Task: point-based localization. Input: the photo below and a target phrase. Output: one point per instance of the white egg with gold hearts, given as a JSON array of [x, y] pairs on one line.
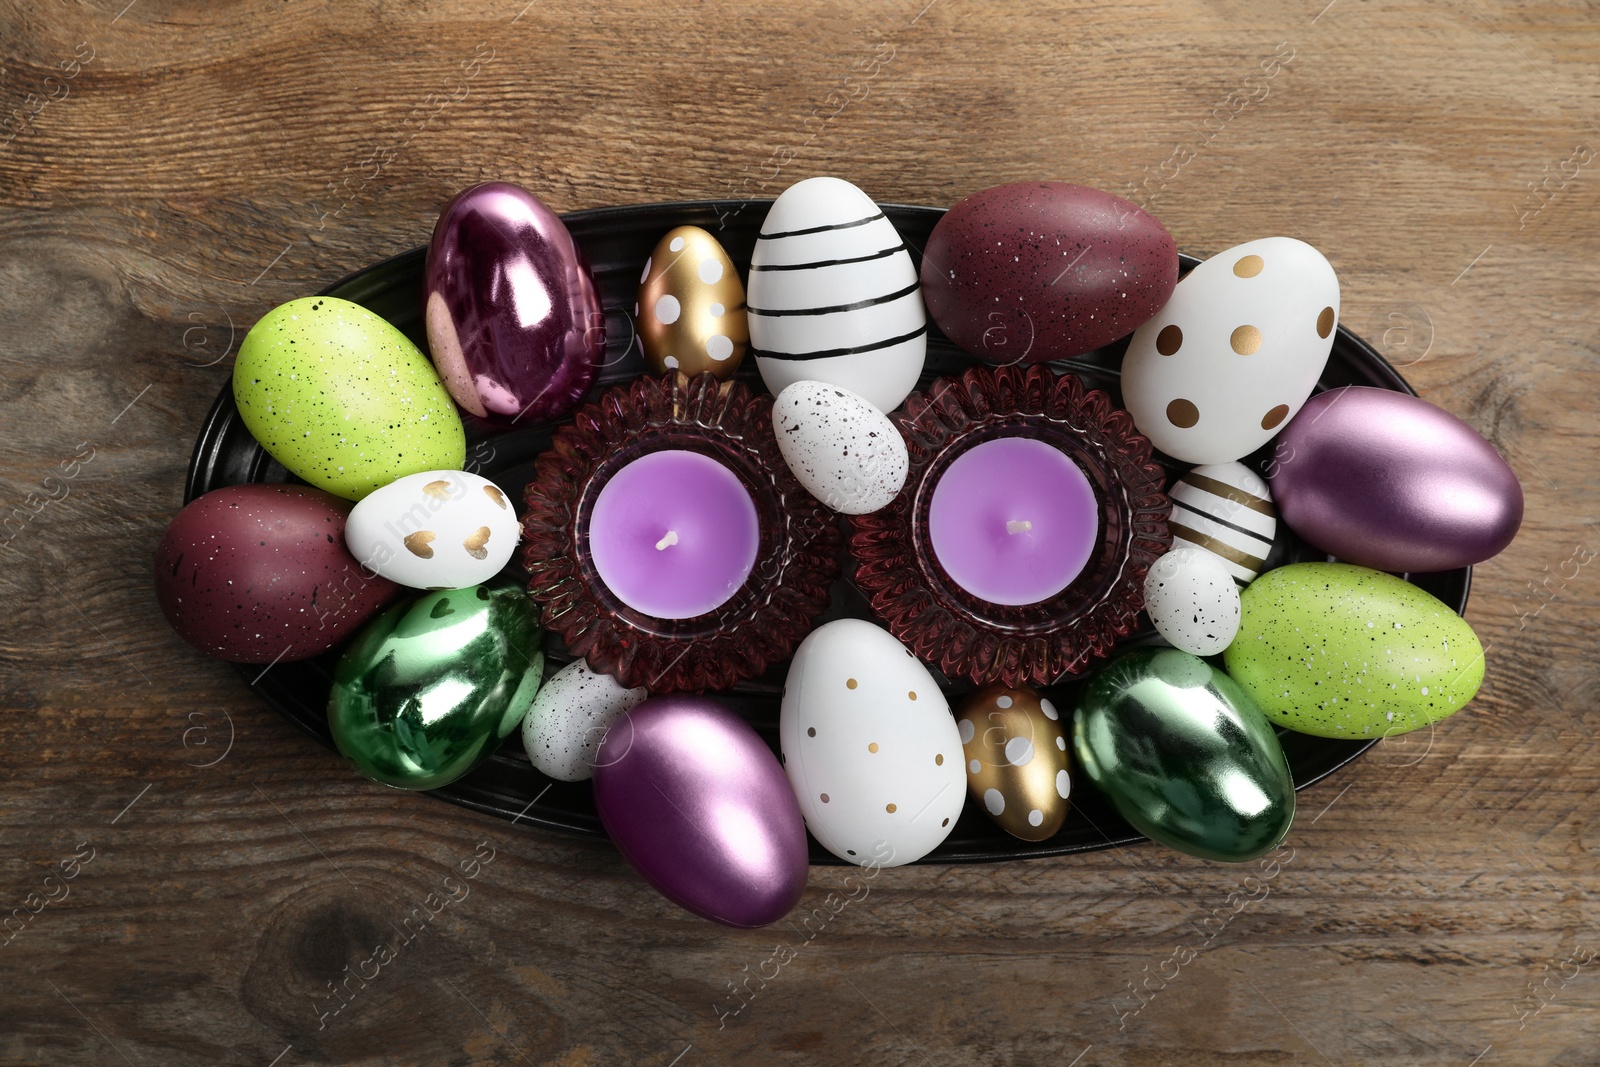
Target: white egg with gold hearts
[[434, 530]]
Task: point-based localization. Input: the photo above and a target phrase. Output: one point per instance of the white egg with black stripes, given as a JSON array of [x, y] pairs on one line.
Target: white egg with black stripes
[[834, 297]]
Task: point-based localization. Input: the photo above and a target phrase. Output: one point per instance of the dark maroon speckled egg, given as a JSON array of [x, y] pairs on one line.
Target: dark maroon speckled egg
[[1035, 271], [259, 573]]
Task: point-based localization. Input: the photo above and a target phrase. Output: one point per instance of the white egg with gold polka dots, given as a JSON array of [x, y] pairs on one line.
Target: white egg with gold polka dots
[[1235, 352], [691, 311], [869, 745], [433, 530]]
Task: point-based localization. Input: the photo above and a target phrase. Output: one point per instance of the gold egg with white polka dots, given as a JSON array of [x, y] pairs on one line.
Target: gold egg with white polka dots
[[1018, 768], [691, 310]]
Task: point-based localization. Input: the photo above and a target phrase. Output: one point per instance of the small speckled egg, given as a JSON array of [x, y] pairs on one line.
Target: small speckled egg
[[1229, 359], [844, 451], [343, 399], [1336, 650], [1226, 509], [259, 573], [435, 530], [1015, 752], [691, 312], [1193, 601], [869, 745], [570, 715]]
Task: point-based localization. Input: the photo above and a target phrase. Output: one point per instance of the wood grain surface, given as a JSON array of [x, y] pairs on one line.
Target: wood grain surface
[[198, 876]]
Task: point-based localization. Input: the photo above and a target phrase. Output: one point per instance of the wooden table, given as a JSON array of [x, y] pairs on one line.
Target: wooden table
[[172, 169]]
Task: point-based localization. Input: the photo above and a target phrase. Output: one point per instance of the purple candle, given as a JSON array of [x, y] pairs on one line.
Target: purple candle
[[1013, 521], [674, 534]]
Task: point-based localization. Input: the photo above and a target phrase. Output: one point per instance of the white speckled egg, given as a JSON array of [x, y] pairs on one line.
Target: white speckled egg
[[834, 296], [1193, 601], [570, 715], [1226, 509], [870, 747], [842, 449], [1235, 352], [434, 530]]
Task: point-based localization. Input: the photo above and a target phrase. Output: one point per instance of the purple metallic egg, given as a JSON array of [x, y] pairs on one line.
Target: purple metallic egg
[[697, 802], [1388, 481], [514, 321]]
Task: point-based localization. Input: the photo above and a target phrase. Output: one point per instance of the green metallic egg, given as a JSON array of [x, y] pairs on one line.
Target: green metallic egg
[[1185, 755], [428, 690]]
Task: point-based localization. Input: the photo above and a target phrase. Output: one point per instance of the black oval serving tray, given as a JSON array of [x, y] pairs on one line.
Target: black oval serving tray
[[616, 241]]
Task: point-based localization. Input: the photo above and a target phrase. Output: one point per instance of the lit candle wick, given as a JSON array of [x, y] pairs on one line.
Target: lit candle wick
[[670, 539], [1018, 527]]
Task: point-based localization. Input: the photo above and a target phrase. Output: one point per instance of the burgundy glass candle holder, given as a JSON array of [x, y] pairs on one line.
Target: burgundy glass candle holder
[[1035, 644], [796, 561]]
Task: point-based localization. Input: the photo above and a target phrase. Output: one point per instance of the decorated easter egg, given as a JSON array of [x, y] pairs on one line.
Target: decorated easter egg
[[258, 573], [1038, 271], [698, 804], [343, 399], [844, 451], [1390, 481], [434, 530], [1337, 650], [1184, 755], [1231, 357], [513, 317], [1015, 752], [569, 716], [690, 314], [1193, 601], [1226, 509], [870, 747], [834, 297], [428, 690]]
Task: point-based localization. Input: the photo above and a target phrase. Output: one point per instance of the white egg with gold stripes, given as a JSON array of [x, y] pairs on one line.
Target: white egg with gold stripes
[[1226, 509], [834, 297]]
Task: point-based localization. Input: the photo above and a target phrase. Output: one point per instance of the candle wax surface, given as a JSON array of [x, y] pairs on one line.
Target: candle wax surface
[[1013, 521], [674, 534]]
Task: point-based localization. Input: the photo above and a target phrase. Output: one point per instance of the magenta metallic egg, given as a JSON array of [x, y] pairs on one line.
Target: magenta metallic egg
[[700, 807], [1389, 481], [514, 322]]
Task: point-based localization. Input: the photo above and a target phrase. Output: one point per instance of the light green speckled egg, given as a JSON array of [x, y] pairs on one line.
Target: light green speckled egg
[[344, 399], [1337, 650]]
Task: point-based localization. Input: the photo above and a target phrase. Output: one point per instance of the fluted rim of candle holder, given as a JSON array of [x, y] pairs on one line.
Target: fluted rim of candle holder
[[796, 564], [1036, 644]]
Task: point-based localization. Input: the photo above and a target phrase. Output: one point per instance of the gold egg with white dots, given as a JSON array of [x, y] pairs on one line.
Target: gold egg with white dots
[[691, 310], [1018, 768]]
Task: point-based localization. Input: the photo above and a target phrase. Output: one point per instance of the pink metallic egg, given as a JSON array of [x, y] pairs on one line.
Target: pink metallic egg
[[514, 321], [1389, 481], [698, 803]]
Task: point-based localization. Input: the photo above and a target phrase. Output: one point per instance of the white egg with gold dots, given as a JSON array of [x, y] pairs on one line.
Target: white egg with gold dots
[[870, 747]]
